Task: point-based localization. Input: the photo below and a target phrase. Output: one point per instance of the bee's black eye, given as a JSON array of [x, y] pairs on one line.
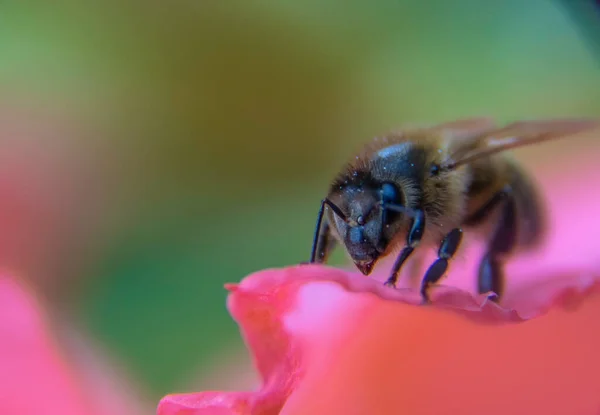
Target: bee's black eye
[[434, 170], [389, 193]]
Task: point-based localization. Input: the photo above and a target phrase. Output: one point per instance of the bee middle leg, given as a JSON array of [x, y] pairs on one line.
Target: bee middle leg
[[412, 241], [436, 271]]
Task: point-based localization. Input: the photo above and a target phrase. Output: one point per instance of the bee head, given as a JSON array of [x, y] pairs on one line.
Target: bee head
[[368, 227]]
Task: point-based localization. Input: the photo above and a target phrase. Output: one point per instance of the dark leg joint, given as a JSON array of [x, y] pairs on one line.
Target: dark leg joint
[[491, 268], [450, 244], [412, 240], [436, 271], [433, 275], [391, 281], [417, 229], [505, 236], [491, 277]]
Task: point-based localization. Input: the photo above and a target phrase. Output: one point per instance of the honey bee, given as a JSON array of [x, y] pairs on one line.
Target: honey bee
[[421, 186]]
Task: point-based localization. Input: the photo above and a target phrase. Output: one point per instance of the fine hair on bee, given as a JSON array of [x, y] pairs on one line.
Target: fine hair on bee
[[425, 185]]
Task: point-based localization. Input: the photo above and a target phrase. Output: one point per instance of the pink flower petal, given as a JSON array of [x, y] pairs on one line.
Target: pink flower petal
[[291, 319], [35, 376]]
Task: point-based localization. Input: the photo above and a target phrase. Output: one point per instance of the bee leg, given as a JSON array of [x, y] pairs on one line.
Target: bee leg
[[404, 254], [491, 275], [448, 248], [323, 242], [412, 241]]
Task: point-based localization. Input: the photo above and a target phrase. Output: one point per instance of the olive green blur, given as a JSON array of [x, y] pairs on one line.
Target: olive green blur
[[218, 124]]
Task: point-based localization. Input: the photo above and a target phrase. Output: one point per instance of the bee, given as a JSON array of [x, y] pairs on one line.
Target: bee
[[423, 185]]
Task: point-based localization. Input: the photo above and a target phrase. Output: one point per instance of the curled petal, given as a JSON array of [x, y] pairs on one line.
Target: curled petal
[[326, 341]]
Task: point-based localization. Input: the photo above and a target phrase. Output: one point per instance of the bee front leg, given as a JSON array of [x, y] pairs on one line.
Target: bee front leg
[[436, 271], [491, 275], [325, 244], [323, 241], [412, 241]]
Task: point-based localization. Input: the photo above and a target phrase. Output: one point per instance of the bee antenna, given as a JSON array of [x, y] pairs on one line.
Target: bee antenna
[[335, 209]]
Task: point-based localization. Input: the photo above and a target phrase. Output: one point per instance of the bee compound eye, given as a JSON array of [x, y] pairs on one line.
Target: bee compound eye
[[389, 193]]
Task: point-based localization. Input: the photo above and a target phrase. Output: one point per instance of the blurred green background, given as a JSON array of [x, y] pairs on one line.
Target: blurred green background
[[156, 150]]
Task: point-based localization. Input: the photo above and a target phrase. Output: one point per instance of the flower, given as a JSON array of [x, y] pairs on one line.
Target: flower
[[35, 375], [329, 341]]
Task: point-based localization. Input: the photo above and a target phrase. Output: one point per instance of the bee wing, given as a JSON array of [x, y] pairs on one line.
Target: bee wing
[[463, 129], [517, 134]]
